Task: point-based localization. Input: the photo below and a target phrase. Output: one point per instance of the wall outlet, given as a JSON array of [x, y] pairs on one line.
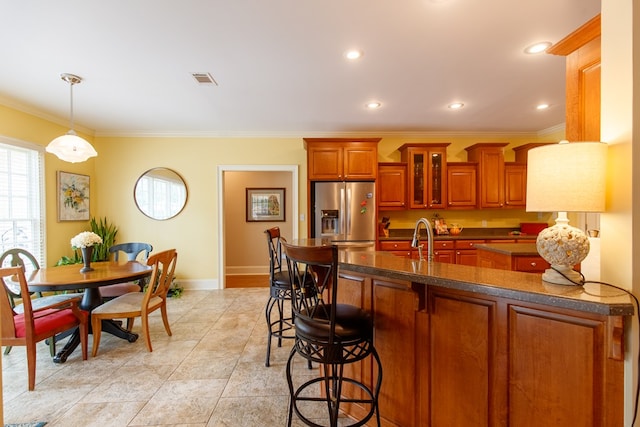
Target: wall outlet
[[484, 223]]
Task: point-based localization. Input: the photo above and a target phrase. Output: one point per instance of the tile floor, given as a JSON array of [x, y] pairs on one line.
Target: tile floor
[[209, 373]]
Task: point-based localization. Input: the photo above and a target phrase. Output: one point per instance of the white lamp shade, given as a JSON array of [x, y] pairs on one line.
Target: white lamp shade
[[567, 177], [71, 148]]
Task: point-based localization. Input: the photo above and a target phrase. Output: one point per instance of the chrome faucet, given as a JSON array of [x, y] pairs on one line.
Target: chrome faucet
[[415, 243]]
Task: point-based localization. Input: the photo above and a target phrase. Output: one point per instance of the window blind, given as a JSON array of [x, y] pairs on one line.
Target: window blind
[[22, 213]]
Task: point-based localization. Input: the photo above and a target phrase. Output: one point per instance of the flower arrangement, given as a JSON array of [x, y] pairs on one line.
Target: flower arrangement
[[85, 239]]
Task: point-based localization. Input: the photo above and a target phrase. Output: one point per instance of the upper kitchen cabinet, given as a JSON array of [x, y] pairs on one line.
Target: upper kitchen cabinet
[[515, 185], [427, 172], [489, 157], [582, 49], [392, 186], [462, 185], [342, 159]]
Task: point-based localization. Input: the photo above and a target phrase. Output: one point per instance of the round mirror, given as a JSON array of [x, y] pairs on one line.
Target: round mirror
[[160, 193]]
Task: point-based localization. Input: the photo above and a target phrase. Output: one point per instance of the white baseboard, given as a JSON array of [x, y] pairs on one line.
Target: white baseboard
[[199, 284]]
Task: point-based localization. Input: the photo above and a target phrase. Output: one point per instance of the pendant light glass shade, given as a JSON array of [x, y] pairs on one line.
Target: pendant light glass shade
[[70, 147]]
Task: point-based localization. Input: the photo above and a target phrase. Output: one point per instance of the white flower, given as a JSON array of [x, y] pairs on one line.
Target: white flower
[[85, 239]]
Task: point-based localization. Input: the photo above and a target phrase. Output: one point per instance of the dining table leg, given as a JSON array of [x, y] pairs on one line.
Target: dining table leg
[[91, 299]]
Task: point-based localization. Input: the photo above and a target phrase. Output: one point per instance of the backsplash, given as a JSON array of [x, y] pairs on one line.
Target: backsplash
[[473, 218]]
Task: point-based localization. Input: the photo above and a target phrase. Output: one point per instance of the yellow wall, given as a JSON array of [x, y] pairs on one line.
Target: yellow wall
[[28, 128], [194, 232], [620, 128]]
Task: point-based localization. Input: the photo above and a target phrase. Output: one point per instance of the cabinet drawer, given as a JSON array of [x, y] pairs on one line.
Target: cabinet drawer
[[467, 244], [398, 245], [530, 264], [443, 244]]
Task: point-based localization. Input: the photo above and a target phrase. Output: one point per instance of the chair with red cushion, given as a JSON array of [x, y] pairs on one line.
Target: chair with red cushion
[[34, 325], [18, 256]]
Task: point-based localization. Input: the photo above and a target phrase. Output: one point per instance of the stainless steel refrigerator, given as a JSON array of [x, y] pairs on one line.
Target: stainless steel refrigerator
[[345, 213]]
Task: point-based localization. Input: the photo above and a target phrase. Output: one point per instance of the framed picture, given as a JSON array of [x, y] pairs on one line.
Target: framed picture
[[73, 197], [265, 204]]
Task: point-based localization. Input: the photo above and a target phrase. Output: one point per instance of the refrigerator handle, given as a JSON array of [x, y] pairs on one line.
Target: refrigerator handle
[[348, 209], [342, 212]]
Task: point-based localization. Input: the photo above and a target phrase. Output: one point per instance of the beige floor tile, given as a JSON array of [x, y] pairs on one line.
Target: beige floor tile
[[210, 372], [191, 401], [250, 411]]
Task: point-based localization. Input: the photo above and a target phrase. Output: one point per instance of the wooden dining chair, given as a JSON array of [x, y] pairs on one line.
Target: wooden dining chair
[[15, 257], [132, 251], [34, 325], [140, 304]]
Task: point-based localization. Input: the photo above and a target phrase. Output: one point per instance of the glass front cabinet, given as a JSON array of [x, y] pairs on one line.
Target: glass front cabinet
[[427, 171]]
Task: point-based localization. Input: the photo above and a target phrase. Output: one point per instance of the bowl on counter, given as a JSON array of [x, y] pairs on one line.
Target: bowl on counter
[[455, 229]]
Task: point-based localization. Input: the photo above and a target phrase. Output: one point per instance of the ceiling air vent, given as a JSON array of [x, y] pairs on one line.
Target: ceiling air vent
[[204, 78]]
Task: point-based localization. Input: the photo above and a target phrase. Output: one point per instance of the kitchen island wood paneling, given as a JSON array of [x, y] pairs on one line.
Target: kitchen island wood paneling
[[463, 345]]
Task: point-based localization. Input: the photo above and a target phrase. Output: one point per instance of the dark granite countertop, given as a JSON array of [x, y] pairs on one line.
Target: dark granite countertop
[[466, 234], [529, 287], [513, 249]]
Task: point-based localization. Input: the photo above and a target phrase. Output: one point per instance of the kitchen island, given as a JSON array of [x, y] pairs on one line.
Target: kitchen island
[[464, 345]]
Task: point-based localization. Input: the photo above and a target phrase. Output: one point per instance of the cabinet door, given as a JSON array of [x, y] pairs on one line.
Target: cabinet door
[[491, 178], [325, 162], [436, 178], [582, 49], [443, 251], [392, 181], [466, 257], [559, 369], [355, 290], [515, 185], [463, 362], [427, 170], [461, 186], [360, 162], [395, 306]]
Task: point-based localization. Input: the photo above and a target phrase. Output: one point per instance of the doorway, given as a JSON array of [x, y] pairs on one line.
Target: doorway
[[232, 183]]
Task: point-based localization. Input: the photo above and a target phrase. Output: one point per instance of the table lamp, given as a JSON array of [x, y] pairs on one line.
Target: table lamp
[[565, 177]]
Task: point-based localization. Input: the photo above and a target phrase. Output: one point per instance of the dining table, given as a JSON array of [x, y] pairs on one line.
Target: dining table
[[67, 278]]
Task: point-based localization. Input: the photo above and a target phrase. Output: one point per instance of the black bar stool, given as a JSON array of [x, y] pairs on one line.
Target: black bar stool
[[330, 334], [279, 292]]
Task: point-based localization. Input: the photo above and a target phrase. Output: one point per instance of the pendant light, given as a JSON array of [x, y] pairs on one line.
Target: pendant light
[[70, 147]]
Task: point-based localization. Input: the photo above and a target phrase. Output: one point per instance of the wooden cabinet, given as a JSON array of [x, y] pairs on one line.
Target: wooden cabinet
[[443, 251], [427, 174], [465, 363], [392, 186], [466, 251], [461, 186], [458, 358], [515, 185], [490, 159], [399, 247], [394, 307], [501, 362], [582, 49], [518, 260], [342, 159]]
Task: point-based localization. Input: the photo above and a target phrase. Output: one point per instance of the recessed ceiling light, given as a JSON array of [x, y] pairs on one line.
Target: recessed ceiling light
[[455, 105], [373, 105], [353, 54], [538, 47], [542, 106]]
